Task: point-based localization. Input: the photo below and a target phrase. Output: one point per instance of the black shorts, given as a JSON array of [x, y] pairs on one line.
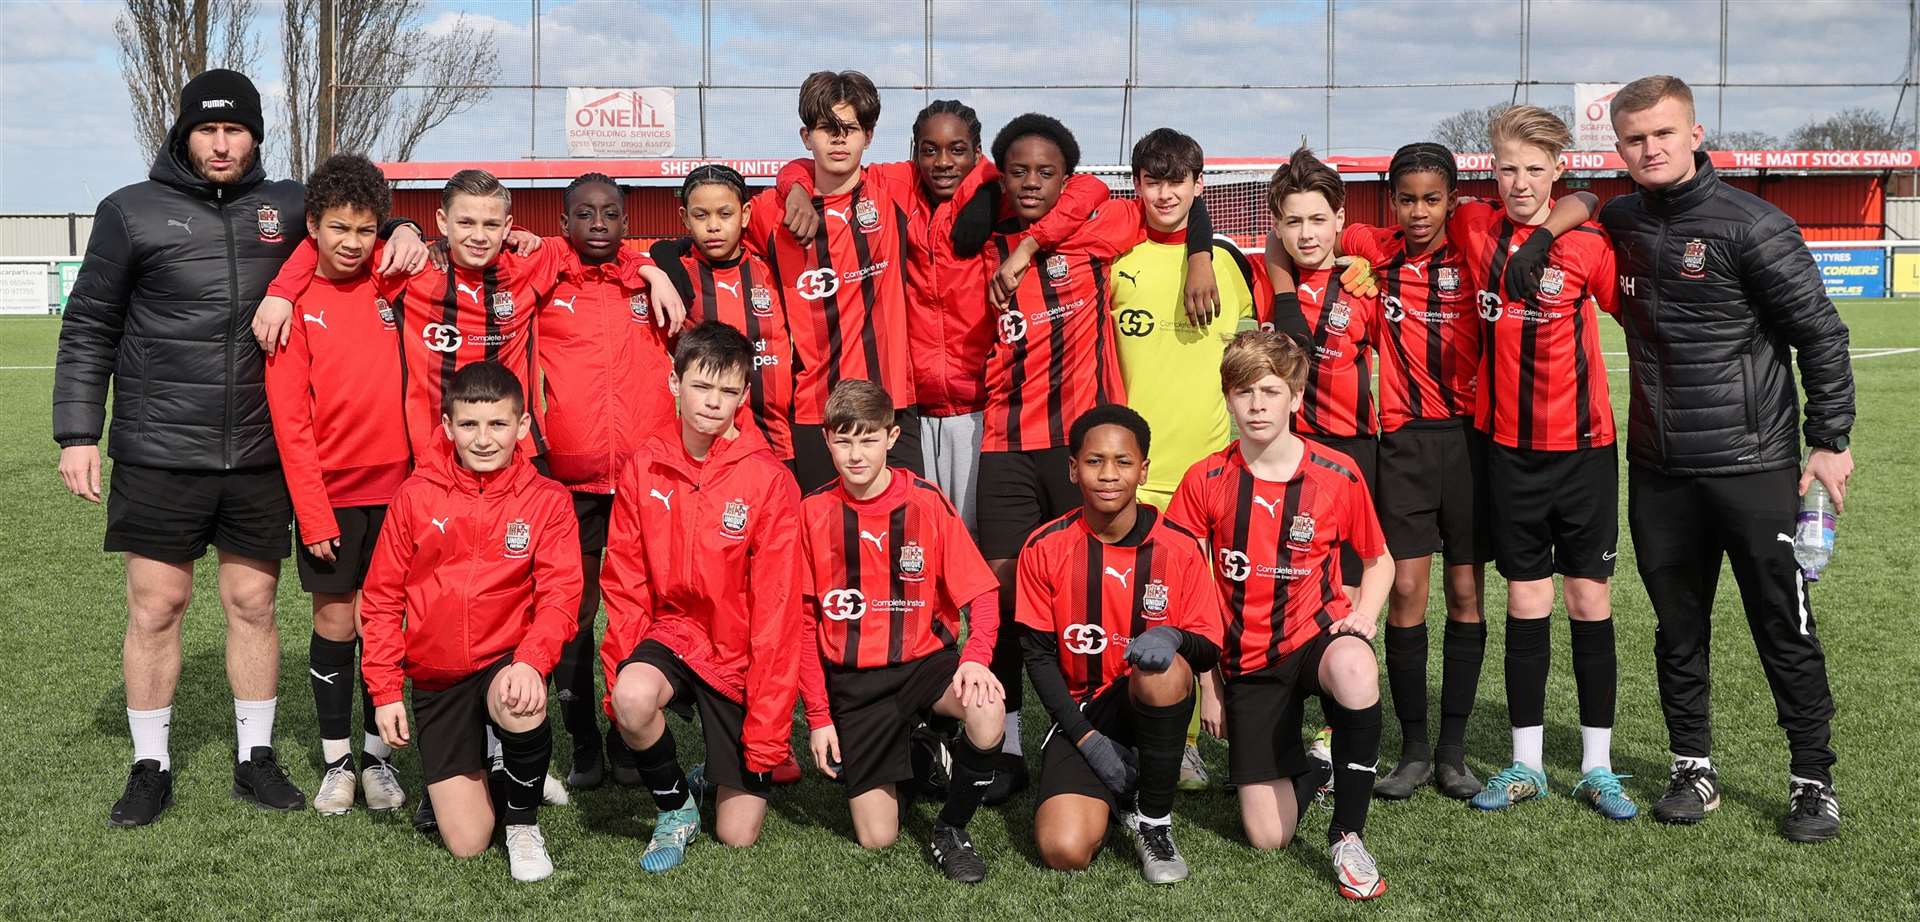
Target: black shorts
[[172, 516], [722, 721], [450, 725], [1553, 511], [1365, 452], [875, 712], [1017, 492], [359, 532], [1063, 770], [813, 465], [593, 510], [1432, 495], [1264, 710]]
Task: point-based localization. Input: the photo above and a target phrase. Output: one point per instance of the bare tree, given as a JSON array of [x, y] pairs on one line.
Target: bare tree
[[1742, 140], [376, 45], [1466, 131], [1852, 129], [165, 43]]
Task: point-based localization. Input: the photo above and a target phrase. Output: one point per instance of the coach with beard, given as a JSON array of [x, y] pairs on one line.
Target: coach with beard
[[1718, 293], [161, 309]]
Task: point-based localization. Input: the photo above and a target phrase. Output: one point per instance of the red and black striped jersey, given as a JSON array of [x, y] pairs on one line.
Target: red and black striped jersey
[[743, 294], [1543, 383], [845, 292], [1276, 546], [888, 576], [1095, 598], [1054, 355], [452, 318], [1337, 401], [1428, 336]]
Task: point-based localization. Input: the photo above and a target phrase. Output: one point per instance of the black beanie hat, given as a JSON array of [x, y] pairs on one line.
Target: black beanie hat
[[221, 96]]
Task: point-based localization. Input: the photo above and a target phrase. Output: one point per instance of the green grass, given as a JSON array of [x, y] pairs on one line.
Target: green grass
[[66, 752]]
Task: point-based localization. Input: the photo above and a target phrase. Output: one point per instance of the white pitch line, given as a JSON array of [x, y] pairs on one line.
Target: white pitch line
[[26, 367]]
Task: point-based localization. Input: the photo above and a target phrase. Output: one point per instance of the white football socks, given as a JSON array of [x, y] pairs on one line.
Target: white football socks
[[1596, 748], [374, 746], [1527, 747], [332, 751], [150, 730], [253, 725]]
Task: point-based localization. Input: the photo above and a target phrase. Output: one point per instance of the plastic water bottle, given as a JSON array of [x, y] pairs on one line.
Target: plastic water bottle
[[1813, 531]]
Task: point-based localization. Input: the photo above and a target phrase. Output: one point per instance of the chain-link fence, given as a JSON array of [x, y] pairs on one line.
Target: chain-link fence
[[1247, 79]]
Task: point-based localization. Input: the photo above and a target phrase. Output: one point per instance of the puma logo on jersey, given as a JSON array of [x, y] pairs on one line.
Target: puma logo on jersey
[[1133, 277], [473, 293], [320, 318], [328, 678], [441, 523], [1309, 291], [1121, 576], [1419, 269], [1782, 536], [731, 288], [837, 214], [1272, 506], [186, 225], [568, 303], [879, 540], [665, 499]]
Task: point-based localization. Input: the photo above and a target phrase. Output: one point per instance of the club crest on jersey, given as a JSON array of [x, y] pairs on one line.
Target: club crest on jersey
[[865, 212], [637, 305], [1490, 307], [1153, 600], [503, 305], [386, 312], [1392, 309], [1448, 279], [519, 537], [1057, 267], [269, 224], [1300, 533], [1338, 318], [1693, 262], [913, 562], [1552, 282], [761, 301], [733, 520]]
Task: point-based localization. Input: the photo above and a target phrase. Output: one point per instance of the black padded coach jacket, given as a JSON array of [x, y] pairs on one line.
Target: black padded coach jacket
[[162, 306], [1717, 293]]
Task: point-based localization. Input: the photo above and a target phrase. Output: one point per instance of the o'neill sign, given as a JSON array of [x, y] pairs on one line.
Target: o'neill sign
[[619, 123]]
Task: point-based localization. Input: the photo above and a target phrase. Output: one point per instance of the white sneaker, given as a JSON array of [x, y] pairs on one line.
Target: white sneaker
[[1160, 859], [1354, 870], [382, 784], [554, 794], [1193, 770], [527, 854], [336, 788]]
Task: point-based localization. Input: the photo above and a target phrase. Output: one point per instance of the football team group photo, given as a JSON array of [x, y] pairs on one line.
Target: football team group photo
[[934, 516]]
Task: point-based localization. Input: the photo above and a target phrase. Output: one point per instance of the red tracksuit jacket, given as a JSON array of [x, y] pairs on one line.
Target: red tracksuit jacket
[[334, 393], [704, 557], [603, 366], [949, 325], [470, 567]]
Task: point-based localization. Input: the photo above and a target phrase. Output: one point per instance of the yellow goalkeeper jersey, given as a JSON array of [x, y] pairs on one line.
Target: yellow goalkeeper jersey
[[1172, 367]]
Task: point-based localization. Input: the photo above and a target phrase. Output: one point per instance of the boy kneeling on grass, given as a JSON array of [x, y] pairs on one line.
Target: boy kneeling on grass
[[471, 595]]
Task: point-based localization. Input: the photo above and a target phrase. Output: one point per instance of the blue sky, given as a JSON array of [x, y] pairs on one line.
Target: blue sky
[[68, 141]]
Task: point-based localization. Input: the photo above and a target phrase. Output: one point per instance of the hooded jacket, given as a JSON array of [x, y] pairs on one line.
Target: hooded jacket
[[1720, 297], [603, 369], [705, 558], [470, 568], [173, 271]]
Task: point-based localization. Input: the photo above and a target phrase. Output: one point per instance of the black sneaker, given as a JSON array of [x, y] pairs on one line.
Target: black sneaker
[[1009, 778], [1813, 813], [953, 854], [1452, 779], [1406, 778], [625, 768], [149, 791], [424, 821], [589, 767], [1692, 790], [262, 782]]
